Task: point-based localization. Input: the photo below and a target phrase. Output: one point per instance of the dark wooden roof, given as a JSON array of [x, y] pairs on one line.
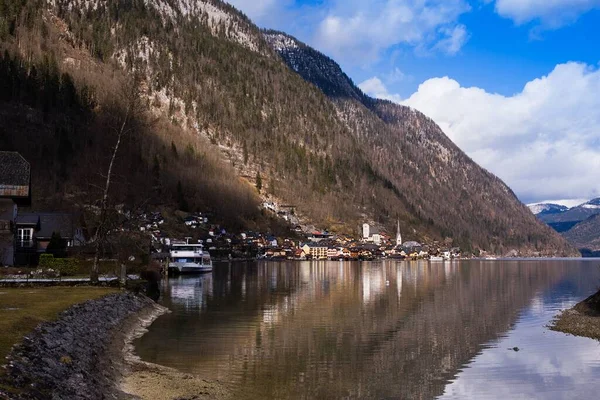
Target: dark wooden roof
[[28, 219], [15, 174], [61, 223]]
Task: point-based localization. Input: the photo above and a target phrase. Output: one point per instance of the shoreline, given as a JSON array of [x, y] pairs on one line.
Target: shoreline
[[583, 319], [72, 356], [88, 353], [143, 380]]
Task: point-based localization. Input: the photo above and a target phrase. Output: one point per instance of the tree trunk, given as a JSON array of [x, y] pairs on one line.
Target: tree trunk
[[100, 234]]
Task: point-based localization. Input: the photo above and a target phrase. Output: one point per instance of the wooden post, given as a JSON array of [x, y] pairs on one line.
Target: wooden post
[[123, 277]]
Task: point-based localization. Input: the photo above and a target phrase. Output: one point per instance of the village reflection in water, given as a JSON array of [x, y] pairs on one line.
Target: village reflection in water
[[372, 330]]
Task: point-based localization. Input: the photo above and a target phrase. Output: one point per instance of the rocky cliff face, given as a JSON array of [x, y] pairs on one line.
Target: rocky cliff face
[[266, 103]]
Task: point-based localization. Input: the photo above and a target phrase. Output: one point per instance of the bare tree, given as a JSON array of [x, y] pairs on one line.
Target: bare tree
[[128, 110]]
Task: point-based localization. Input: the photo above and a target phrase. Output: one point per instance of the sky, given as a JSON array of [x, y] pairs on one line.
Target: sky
[[514, 83]]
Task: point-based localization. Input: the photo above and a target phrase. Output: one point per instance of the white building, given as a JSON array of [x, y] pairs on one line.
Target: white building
[[366, 231], [376, 239]]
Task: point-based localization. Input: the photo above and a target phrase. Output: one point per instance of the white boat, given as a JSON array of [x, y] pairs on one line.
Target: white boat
[[436, 258], [189, 258]]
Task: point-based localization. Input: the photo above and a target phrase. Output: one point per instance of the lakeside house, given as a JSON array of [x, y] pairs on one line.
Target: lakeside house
[[315, 250], [333, 253], [34, 232], [15, 190]]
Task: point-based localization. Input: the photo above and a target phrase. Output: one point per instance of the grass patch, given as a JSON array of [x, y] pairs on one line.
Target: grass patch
[[22, 309]]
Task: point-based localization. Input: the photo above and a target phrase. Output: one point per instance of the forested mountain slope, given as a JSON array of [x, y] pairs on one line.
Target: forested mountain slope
[[218, 101], [435, 179], [586, 234]]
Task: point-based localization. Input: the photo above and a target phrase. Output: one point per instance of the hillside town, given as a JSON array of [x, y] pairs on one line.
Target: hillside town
[[312, 245], [25, 235]]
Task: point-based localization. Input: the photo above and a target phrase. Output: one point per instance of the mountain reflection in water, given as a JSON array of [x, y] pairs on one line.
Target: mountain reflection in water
[[380, 330]]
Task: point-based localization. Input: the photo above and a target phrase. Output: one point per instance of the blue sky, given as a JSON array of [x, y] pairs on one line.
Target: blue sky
[[514, 83]]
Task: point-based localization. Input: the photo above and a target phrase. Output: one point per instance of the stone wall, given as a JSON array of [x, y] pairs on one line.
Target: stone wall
[[74, 357]]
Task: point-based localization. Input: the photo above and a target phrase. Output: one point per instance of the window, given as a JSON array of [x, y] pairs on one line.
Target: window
[[25, 236]]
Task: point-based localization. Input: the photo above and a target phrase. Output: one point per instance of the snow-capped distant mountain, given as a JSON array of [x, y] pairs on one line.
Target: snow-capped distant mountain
[[592, 204], [585, 233], [574, 214], [546, 208], [578, 224]]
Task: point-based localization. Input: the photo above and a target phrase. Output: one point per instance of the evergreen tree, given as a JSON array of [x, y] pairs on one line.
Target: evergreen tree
[[272, 186], [181, 200], [57, 245], [258, 182], [156, 169]]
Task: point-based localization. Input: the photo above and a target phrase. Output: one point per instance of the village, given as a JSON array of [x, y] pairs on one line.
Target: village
[[305, 245], [25, 236]]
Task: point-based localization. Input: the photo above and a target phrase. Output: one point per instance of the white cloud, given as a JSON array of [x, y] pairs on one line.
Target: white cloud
[[550, 13], [375, 87], [544, 142], [396, 76], [454, 41], [360, 31], [353, 29]]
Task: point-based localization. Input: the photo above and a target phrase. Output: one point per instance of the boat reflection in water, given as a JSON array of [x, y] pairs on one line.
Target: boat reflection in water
[[189, 292], [380, 330]]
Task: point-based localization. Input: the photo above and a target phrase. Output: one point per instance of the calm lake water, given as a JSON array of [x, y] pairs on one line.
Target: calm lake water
[[390, 329]]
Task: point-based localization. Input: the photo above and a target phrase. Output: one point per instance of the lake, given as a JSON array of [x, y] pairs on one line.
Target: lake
[[389, 329]]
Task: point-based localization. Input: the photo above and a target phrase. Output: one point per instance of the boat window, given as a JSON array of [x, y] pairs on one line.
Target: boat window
[[187, 260], [186, 248]]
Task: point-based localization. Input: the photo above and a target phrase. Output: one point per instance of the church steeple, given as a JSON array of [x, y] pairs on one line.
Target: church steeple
[[398, 235]]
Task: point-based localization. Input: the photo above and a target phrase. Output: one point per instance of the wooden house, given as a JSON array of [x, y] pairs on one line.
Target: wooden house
[[15, 190]]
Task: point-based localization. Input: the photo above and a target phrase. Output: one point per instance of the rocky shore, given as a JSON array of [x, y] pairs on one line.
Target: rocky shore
[[88, 353], [77, 356], [581, 320]]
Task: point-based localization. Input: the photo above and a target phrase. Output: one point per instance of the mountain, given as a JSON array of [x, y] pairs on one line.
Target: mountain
[[546, 208], [564, 220], [580, 225], [220, 104], [586, 234], [593, 204], [413, 155]]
